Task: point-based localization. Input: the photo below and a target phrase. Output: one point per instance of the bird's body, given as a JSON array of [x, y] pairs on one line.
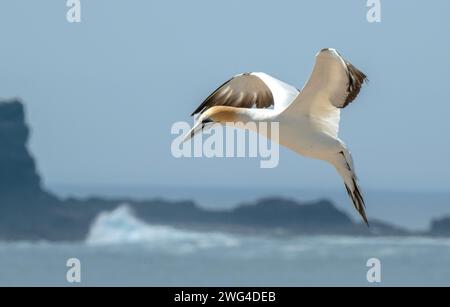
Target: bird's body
[[308, 119]]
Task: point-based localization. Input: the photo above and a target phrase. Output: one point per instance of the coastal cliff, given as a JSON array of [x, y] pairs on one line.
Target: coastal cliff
[[18, 173], [440, 227], [28, 212]]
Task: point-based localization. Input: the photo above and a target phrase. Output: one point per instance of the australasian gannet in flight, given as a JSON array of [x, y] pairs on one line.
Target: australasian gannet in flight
[[308, 119]]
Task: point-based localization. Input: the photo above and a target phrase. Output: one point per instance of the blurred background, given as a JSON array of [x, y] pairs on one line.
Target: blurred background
[[87, 171]]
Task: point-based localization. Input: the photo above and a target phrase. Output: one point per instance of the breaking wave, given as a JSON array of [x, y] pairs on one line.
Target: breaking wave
[[121, 226]]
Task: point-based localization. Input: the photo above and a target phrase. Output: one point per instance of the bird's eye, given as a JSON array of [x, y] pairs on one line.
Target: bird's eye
[[206, 121]]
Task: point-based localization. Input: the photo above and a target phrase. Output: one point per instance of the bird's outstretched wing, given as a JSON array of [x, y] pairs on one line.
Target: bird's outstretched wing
[[250, 90], [333, 85]]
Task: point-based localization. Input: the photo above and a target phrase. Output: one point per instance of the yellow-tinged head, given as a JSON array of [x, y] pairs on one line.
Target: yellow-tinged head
[[221, 114]]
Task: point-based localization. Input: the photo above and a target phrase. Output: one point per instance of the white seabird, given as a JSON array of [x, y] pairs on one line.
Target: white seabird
[[308, 119]]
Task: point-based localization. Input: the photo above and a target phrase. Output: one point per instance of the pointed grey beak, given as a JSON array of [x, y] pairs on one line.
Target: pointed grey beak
[[191, 134]]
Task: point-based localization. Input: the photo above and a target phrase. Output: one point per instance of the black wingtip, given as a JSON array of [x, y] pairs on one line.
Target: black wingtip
[[197, 111], [362, 213], [358, 202], [364, 217]]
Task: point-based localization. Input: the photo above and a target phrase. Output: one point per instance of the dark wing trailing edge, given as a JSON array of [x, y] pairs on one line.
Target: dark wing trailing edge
[[356, 79], [332, 77], [241, 91]]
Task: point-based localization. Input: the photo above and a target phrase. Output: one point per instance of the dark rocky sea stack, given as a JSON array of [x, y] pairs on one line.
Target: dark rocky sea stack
[[18, 173], [29, 212], [440, 227]]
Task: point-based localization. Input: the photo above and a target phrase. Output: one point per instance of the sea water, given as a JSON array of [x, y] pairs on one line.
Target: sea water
[[124, 251]]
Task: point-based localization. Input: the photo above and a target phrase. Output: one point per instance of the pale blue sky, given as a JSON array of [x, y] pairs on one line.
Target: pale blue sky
[[102, 95]]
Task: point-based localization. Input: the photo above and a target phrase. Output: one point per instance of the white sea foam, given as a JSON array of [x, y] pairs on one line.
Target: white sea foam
[[121, 226]]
